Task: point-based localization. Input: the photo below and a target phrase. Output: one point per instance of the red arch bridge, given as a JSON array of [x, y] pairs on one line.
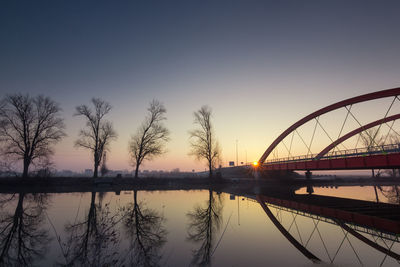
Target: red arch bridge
[[353, 134]]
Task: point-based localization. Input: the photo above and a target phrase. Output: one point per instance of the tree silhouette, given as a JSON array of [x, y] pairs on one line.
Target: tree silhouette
[[204, 145], [103, 169], [94, 240], [371, 137], [29, 126], [393, 139], [204, 223], [392, 193], [149, 140], [98, 133], [146, 232], [22, 240]]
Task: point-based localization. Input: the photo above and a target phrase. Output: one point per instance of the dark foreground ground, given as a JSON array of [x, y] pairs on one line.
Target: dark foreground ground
[[85, 184]]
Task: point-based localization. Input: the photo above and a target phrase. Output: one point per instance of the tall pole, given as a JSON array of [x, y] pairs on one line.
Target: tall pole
[[237, 153], [238, 211]]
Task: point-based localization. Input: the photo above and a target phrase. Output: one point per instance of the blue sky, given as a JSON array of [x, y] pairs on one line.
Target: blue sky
[[261, 65]]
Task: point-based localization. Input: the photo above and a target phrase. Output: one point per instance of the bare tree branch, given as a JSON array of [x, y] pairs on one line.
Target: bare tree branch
[[203, 143], [204, 223], [371, 137], [146, 233], [98, 133], [94, 241], [29, 126], [150, 139], [22, 238]]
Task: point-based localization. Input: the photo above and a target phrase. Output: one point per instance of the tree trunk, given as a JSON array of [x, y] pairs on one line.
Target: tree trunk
[[16, 225], [96, 164], [135, 197], [91, 221], [93, 200], [210, 170], [26, 168], [137, 171], [95, 171], [376, 194]]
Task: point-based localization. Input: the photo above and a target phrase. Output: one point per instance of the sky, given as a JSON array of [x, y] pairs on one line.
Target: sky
[[260, 65]]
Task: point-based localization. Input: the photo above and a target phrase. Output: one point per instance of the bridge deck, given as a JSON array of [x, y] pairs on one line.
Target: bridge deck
[[384, 161]]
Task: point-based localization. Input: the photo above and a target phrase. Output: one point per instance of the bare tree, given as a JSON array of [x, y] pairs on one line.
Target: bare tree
[[28, 128], [371, 137], [204, 145], [23, 239], [146, 233], [392, 193], [94, 239], [103, 169], [151, 137], [393, 139], [204, 224], [98, 132]]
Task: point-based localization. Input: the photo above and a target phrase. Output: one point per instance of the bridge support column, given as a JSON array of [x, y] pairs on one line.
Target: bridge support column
[[308, 174], [310, 189]]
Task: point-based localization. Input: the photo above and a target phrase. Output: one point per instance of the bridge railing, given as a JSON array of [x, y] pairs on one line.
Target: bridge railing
[[357, 152]]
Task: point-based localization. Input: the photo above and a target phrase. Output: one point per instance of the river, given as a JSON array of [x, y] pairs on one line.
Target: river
[[202, 227]]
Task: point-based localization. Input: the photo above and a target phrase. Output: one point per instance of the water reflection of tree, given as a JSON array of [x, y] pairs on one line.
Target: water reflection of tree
[[392, 193], [94, 240], [22, 239], [146, 233], [204, 223]]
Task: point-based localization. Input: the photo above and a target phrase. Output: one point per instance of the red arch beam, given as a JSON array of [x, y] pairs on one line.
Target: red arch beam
[[350, 101], [286, 234], [354, 132]]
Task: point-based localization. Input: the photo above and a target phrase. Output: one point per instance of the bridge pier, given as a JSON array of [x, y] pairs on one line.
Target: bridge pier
[[310, 189], [308, 174]]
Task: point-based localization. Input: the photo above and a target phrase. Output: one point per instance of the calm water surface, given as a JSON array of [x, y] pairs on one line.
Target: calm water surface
[[180, 228]]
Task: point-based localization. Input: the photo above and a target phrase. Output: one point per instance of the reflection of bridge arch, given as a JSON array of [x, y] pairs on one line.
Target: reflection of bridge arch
[[288, 236], [395, 92], [320, 212]]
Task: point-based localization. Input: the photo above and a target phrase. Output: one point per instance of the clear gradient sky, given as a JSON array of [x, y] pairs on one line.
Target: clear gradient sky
[[260, 65]]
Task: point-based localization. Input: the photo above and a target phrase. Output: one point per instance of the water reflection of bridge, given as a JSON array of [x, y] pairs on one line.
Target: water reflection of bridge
[[375, 224], [363, 214]]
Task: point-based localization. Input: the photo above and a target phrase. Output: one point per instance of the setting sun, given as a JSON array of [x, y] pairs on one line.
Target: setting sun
[[255, 163]]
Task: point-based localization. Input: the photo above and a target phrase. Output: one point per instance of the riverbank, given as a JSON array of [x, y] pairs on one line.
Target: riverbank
[[116, 184]]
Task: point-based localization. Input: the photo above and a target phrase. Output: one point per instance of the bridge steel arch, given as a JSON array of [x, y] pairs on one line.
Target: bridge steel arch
[[338, 216], [355, 132], [335, 106], [286, 234]]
